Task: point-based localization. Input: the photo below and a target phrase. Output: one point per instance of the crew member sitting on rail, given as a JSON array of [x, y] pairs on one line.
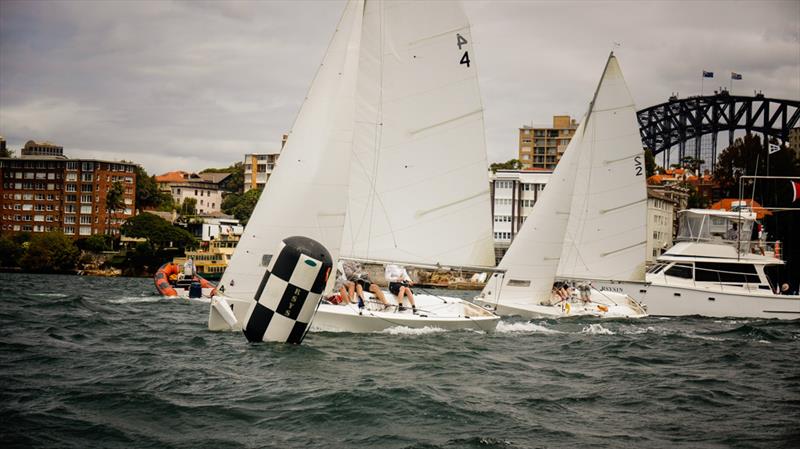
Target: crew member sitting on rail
[[359, 281], [400, 285]]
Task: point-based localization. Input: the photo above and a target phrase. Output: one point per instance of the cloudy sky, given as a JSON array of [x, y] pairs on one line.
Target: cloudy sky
[[188, 85]]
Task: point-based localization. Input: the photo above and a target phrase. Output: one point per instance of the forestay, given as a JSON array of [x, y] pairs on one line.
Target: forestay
[[418, 184], [307, 193], [606, 235]]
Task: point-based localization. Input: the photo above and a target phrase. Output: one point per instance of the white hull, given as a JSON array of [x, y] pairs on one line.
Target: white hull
[[710, 301], [602, 305], [432, 311]]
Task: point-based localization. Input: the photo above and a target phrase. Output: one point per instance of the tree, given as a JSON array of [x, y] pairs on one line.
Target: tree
[[158, 232], [241, 205], [747, 156], [10, 252], [115, 200], [650, 165], [50, 252], [189, 206], [96, 243], [511, 164], [5, 152], [148, 196]]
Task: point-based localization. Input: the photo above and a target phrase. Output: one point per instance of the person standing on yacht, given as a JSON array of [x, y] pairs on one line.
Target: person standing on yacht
[[400, 285], [732, 235]]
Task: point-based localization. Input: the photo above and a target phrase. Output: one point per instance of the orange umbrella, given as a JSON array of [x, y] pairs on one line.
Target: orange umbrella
[[727, 204]]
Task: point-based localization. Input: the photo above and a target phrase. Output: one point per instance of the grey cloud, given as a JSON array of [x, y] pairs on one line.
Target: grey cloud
[[185, 85]]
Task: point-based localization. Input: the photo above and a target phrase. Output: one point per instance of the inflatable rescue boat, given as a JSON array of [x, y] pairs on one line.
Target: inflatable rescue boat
[[172, 282]]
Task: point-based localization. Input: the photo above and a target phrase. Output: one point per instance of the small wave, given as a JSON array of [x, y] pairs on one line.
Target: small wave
[[597, 329], [529, 327], [133, 300], [403, 330], [640, 330], [49, 295]]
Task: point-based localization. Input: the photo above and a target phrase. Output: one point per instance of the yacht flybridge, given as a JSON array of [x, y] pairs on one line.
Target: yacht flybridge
[[715, 269]]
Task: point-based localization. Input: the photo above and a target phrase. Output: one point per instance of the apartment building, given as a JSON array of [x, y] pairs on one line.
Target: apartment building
[[660, 224], [258, 167], [42, 193], [514, 192], [541, 146]]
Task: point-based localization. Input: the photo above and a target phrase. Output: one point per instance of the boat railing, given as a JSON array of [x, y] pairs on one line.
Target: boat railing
[[751, 281], [762, 247]]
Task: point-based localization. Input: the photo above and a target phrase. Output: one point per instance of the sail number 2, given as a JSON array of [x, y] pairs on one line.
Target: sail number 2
[[460, 41], [637, 165]]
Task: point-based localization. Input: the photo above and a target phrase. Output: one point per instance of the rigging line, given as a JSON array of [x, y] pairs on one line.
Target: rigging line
[[585, 206], [378, 126], [431, 294]]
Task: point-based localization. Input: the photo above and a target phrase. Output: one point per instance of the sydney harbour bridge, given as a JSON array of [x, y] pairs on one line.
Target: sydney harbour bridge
[[683, 125]]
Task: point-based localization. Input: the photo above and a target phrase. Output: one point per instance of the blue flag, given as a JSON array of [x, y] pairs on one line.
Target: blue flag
[[708, 74], [736, 76]]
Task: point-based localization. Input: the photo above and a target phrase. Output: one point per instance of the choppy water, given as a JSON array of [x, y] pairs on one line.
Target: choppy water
[[94, 362]]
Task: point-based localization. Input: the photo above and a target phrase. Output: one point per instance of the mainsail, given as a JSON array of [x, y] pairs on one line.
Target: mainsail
[[607, 231], [307, 193], [418, 181], [589, 222]]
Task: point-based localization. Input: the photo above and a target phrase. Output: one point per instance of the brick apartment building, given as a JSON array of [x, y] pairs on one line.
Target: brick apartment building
[[44, 191], [542, 146]]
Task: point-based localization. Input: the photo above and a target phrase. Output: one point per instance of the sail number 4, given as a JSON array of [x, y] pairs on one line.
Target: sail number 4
[[637, 165], [460, 41]]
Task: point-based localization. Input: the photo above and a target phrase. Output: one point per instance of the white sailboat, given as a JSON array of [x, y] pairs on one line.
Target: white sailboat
[[589, 223], [418, 185], [409, 199]]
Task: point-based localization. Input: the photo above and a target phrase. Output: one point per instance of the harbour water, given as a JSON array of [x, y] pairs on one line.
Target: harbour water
[[104, 362]]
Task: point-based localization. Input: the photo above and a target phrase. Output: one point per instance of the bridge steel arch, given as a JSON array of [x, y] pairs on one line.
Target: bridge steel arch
[[677, 121]]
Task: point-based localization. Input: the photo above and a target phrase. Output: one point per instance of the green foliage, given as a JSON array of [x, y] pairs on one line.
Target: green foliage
[[115, 197], [695, 200], [158, 232], [650, 165], [10, 252], [5, 152], [511, 164], [241, 205], [50, 252], [147, 194], [748, 156], [189, 206], [96, 243], [115, 200]]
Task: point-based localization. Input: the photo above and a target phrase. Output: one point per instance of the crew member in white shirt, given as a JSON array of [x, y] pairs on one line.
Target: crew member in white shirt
[[400, 285]]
